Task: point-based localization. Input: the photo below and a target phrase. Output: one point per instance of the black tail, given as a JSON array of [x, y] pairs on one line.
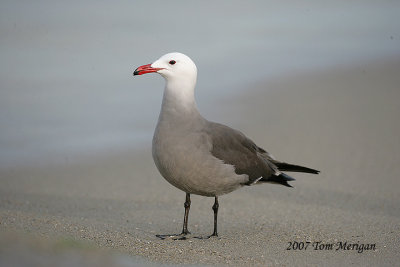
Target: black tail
[[282, 166], [279, 179], [283, 178]]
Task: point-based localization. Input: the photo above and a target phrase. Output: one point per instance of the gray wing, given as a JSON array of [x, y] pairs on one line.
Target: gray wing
[[234, 148]]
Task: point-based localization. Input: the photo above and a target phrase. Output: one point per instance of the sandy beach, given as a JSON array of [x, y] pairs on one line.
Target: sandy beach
[[343, 122]]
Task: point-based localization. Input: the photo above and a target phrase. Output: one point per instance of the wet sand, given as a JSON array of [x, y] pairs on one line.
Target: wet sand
[[343, 122]]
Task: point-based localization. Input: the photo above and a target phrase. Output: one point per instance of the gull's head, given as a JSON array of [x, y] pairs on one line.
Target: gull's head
[[172, 66]]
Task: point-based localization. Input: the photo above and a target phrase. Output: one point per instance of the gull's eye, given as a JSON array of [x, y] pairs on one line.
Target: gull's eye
[[172, 62]]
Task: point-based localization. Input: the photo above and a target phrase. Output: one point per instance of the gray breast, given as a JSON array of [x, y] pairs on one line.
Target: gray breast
[[182, 154]]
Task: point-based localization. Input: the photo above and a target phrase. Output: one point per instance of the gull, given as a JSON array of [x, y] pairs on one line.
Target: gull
[[199, 156]]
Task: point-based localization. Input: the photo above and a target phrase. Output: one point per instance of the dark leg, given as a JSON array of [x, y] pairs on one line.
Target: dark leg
[[215, 209], [185, 231], [185, 219]]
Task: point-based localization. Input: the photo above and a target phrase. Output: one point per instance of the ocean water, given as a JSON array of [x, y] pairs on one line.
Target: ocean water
[[66, 84]]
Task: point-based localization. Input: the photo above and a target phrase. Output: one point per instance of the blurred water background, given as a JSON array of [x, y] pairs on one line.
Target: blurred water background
[[66, 85]]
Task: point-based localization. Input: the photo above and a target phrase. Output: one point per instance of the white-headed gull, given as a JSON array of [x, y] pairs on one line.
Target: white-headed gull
[[199, 156]]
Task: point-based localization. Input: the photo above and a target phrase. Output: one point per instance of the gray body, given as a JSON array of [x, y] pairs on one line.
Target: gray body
[[182, 153]]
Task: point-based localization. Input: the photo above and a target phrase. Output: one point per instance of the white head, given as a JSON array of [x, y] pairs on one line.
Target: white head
[[174, 67], [180, 74]]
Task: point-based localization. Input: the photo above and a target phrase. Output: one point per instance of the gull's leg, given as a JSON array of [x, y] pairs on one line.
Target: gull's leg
[[185, 231], [186, 218], [215, 209]]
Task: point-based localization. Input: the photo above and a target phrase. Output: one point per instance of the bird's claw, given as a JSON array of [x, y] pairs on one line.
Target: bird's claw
[[182, 236], [207, 237]]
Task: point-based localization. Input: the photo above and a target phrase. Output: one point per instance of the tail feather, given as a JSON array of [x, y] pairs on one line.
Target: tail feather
[[279, 179], [283, 166]]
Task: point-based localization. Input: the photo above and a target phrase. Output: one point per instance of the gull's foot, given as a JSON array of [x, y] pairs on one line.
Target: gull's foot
[[208, 237], [182, 236]]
